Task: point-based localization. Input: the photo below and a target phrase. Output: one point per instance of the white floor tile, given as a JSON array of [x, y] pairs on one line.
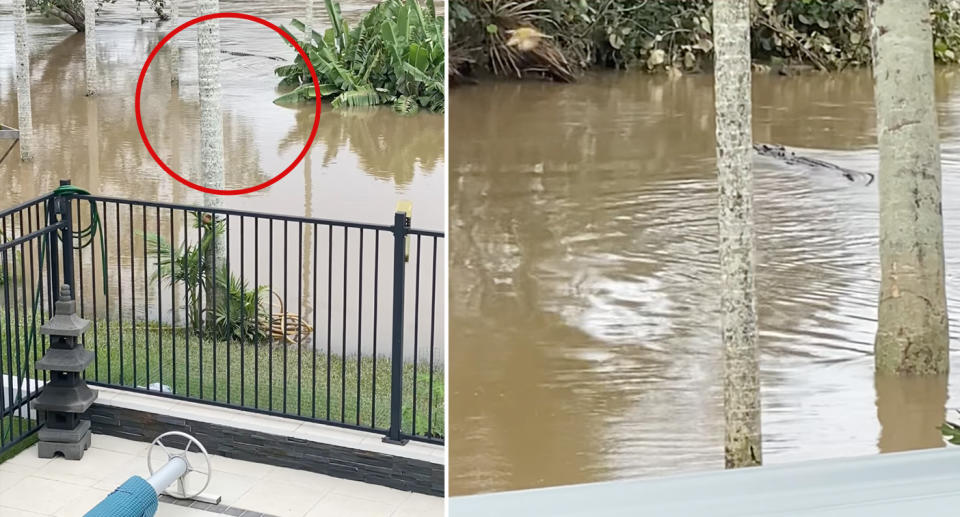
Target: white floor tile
[[229, 486], [308, 480], [7, 511], [40, 495], [117, 475], [244, 468], [28, 458], [419, 505], [282, 499], [95, 465], [82, 503], [112, 443], [343, 505], [10, 474], [371, 492]]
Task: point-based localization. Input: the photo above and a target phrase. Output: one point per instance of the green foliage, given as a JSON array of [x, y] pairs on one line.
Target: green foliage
[[946, 30], [674, 37], [240, 313], [71, 11], [8, 262], [12, 428], [951, 432], [395, 55], [482, 33]]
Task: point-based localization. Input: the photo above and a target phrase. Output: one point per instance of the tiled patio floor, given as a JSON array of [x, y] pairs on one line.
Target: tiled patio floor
[[33, 487]]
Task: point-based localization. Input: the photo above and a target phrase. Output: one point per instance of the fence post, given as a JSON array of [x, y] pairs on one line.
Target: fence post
[[66, 237], [401, 223], [53, 253]]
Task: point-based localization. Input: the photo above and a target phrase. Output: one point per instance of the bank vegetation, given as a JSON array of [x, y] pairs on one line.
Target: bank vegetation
[[559, 39]]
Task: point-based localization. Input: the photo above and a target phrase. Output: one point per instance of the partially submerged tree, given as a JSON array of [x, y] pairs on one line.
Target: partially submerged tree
[[211, 130], [24, 115], [90, 45], [74, 12], [741, 387], [912, 333], [308, 29], [211, 115], [174, 49]]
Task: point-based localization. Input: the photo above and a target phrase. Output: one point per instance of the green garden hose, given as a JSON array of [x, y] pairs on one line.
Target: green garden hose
[[85, 236]]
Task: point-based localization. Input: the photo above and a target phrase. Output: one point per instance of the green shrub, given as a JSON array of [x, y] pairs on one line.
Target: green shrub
[[395, 55], [240, 312], [674, 37]]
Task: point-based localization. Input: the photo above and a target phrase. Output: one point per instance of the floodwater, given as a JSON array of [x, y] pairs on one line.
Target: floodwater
[[584, 282], [362, 162]]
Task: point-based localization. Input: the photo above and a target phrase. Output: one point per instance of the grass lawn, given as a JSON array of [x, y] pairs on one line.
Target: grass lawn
[[278, 377], [11, 428]]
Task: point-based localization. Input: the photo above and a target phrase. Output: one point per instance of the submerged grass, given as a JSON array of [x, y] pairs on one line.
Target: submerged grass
[[281, 378]]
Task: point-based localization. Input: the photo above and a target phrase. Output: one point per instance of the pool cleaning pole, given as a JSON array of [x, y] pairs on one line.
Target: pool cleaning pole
[[167, 474]]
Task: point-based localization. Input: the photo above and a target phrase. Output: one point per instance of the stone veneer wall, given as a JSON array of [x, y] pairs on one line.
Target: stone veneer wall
[[282, 451]]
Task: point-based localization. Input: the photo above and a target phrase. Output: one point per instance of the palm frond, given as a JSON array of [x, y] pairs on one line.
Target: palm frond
[[357, 98]]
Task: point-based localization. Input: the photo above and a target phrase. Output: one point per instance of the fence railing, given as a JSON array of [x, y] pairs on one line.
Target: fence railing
[[306, 318], [25, 260]]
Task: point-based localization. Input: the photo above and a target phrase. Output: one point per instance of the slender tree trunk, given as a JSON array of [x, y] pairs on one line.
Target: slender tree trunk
[[211, 115], [211, 136], [93, 145], [90, 44], [23, 80], [912, 334], [174, 48], [741, 393], [309, 22], [309, 235]]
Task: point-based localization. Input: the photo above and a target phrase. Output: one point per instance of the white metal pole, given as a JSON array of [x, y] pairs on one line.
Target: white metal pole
[[167, 474]]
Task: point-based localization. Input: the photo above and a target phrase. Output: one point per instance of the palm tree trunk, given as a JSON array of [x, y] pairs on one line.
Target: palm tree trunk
[[93, 145], [912, 336], [211, 115], [90, 44], [211, 135], [174, 49], [741, 393], [309, 24], [23, 80]]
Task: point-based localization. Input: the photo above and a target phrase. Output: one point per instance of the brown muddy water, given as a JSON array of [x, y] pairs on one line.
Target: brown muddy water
[[584, 324], [361, 163]]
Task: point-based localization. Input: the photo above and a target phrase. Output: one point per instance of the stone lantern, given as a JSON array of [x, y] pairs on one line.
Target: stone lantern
[[66, 396]]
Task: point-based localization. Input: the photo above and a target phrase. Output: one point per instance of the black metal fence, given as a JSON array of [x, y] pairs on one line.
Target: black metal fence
[[321, 320], [25, 261]]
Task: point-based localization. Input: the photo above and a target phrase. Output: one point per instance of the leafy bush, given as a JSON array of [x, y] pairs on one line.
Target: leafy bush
[[239, 311], [675, 37], [951, 432], [946, 30], [394, 55]]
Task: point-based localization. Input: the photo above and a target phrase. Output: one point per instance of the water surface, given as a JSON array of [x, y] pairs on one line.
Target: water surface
[[584, 327], [361, 164]]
